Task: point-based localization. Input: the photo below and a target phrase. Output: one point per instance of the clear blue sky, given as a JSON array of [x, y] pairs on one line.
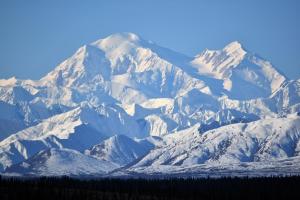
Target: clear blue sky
[[36, 35]]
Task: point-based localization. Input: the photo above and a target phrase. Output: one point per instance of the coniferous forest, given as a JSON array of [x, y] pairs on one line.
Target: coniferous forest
[[148, 189]]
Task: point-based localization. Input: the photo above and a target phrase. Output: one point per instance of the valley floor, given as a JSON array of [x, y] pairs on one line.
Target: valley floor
[[208, 188]]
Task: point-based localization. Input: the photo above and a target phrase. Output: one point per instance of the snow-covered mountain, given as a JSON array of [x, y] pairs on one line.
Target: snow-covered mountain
[[130, 103], [122, 150], [262, 140], [57, 162], [240, 71]]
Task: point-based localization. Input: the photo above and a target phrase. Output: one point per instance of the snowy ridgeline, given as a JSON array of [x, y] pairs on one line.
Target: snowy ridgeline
[[126, 106]]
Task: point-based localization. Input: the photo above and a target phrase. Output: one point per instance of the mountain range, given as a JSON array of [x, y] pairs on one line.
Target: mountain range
[[125, 106]]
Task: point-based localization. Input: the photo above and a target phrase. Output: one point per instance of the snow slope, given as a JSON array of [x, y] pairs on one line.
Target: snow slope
[[58, 162], [281, 167], [120, 149], [259, 141]]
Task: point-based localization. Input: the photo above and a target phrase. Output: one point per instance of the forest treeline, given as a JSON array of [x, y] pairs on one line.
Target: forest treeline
[[147, 189]]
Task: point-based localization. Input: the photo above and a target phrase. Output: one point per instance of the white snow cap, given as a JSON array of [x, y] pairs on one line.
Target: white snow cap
[[234, 47], [117, 38]]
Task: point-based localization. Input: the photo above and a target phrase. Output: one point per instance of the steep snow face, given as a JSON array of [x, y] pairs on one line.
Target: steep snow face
[[10, 120], [14, 94], [58, 162], [262, 140], [287, 97], [218, 63], [88, 64], [240, 71], [120, 150]]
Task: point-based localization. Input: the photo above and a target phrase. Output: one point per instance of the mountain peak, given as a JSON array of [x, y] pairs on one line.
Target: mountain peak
[[234, 44], [118, 38], [124, 36], [10, 81], [234, 47]]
